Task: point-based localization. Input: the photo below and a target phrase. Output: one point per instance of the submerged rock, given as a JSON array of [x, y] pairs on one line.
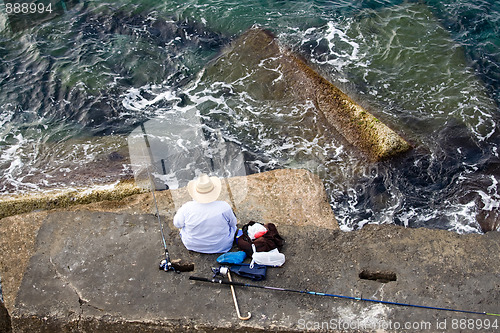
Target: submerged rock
[[489, 220], [270, 72]]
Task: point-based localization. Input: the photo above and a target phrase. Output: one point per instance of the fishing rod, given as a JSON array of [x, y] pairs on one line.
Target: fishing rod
[[166, 264], [240, 284]]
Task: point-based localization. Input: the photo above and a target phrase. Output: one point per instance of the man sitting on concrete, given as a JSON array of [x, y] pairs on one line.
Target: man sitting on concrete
[[207, 225]]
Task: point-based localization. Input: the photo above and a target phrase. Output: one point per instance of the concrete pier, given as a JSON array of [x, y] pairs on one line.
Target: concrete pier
[[94, 268]]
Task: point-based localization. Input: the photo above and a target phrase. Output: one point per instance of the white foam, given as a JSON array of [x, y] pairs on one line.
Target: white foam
[[133, 100], [6, 115], [462, 218], [342, 49], [94, 188], [12, 156], [490, 200]]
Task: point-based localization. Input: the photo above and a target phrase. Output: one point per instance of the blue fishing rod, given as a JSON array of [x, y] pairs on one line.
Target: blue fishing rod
[[232, 283]]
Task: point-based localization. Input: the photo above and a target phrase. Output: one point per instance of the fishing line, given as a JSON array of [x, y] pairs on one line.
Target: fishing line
[[166, 263]]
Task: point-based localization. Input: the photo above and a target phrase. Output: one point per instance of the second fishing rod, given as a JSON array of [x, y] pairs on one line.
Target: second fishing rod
[[233, 283]]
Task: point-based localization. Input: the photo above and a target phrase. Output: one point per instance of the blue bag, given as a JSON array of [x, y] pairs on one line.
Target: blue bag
[[232, 258], [256, 273]]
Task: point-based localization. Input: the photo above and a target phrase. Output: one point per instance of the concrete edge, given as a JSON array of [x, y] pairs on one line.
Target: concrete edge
[[119, 325]]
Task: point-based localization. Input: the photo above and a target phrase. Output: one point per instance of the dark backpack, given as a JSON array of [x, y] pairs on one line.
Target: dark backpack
[[269, 241]]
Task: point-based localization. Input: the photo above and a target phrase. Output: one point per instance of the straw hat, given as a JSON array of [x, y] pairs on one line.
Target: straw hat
[[204, 189]]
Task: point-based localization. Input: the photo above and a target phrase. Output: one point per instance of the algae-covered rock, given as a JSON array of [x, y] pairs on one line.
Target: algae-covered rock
[[260, 67], [18, 204]]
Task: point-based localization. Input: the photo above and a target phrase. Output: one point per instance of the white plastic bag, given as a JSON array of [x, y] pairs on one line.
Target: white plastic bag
[[271, 258]]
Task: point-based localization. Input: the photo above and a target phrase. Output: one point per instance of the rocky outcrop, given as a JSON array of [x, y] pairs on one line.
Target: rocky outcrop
[[291, 79], [489, 220]]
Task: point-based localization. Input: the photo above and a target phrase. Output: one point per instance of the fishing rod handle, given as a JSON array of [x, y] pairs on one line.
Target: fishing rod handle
[[202, 279], [196, 278]]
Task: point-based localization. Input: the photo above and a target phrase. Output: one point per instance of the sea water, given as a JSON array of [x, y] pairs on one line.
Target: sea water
[[75, 85]]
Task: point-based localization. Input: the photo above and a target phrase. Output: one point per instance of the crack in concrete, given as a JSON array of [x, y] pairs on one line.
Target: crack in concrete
[[81, 300], [64, 279]]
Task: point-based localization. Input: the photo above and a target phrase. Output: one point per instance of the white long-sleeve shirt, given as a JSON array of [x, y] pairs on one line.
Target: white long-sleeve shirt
[[206, 228]]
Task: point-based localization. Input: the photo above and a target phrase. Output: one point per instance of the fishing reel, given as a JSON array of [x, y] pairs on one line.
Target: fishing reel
[[176, 265], [220, 272], [166, 266]]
